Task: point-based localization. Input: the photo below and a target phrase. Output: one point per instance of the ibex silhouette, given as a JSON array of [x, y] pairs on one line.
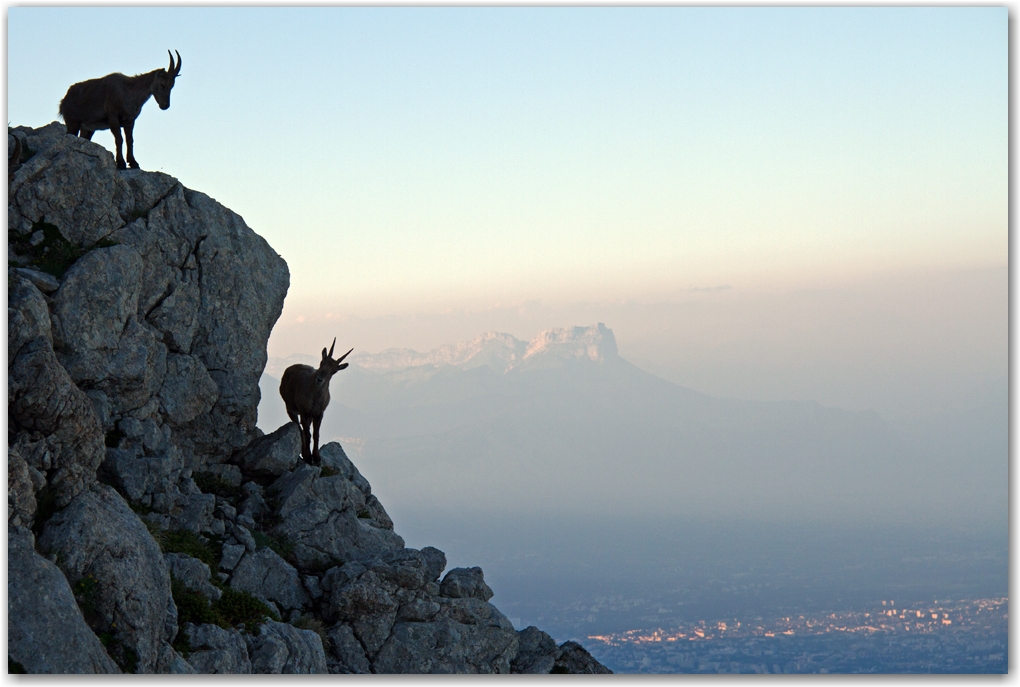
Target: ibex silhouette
[[305, 391], [114, 102]]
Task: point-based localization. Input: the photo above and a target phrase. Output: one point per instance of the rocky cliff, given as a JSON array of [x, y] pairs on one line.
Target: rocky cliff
[[151, 527]]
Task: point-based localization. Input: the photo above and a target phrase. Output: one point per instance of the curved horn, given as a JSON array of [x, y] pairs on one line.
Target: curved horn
[[332, 347], [345, 355], [178, 69], [170, 69]]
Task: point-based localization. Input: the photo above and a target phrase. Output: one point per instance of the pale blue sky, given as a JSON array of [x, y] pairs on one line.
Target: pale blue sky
[[418, 160]]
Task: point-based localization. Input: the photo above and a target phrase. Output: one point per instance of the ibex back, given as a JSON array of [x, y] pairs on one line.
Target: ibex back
[[305, 391], [114, 102]]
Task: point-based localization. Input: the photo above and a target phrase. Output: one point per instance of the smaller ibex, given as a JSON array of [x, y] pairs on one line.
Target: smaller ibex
[[114, 102], [305, 391]]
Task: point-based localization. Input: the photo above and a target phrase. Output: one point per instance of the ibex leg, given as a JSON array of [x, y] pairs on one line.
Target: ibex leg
[[315, 426], [128, 129], [306, 451], [115, 128], [87, 134]]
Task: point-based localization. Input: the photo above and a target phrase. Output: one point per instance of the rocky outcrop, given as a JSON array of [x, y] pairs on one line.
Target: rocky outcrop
[[151, 527], [46, 632]]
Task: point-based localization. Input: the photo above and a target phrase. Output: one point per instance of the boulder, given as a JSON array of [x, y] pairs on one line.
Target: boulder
[[216, 650], [465, 583], [100, 543], [537, 652], [347, 651], [193, 573], [320, 515], [266, 575], [575, 659], [42, 400], [282, 648], [46, 632], [435, 563], [273, 454], [466, 636], [21, 503]]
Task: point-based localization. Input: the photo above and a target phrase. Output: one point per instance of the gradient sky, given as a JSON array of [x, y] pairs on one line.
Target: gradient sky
[[409, 162]]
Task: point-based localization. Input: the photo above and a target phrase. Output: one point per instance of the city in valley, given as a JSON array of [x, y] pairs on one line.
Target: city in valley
[[962, 636]]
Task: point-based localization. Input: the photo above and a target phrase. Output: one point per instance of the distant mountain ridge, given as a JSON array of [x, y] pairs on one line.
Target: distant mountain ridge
[[496, 350]]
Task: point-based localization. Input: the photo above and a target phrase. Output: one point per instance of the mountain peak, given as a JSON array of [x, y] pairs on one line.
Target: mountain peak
[[502, 352]]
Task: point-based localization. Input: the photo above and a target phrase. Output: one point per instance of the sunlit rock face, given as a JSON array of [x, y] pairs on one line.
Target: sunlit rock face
[[151, 527]]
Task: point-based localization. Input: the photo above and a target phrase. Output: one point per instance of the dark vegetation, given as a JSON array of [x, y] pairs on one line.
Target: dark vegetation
[[211, 483], [54, 254]]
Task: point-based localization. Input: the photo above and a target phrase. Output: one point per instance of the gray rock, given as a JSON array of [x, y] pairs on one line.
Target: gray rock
[[334, 457], [368, 605], [243, 535], [320, 516], [42, 400], [46, 283], [193, 573], [435, 562], [46, 632], [464, 583], [21, 503], [231, 556], [138, 475], [282, 648], [266, 575], [273, 454], [418, 610], [71, 183], [231, 474], [187, 275], [347, 650], [99, 537], [187, 391], [179, 666], [466, 636], [196, 514], [312, 586], [131, 427], [575, 659], [537, 652], [98, 295], [217, 651]]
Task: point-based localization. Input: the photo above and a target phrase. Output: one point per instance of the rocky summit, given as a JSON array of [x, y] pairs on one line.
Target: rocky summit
[[152, 528]]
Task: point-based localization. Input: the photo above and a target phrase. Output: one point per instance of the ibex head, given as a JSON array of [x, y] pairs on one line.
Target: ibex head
[[165, 81], [329, 367]]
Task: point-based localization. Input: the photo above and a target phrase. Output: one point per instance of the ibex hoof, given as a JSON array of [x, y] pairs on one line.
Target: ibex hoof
[[121, 165], [133, 165]]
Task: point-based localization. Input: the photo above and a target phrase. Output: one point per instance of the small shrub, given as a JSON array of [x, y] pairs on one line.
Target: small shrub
[[327, 471], [306, 622], [187, 542], [236, 607], [192, 606], [54, 254], [210, 483], [281, 546], [157, 533]]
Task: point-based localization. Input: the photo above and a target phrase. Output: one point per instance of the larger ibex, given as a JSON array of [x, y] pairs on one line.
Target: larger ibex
[[305, 391], [114, 102]]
